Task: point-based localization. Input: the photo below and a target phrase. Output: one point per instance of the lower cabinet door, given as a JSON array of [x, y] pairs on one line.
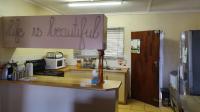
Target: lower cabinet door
[[118, 77], [80, 74]]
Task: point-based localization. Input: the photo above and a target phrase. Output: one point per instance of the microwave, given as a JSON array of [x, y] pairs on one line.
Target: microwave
[[54, 63]]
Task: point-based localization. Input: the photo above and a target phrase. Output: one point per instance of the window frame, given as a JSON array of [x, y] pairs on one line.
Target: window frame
[[77, 53]]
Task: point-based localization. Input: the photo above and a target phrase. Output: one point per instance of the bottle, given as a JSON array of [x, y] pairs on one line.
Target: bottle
[[14, 75], [78, 64], [94, 77], [30, 73]]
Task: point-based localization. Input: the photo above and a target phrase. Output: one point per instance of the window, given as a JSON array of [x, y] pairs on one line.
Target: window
[[115, 45]]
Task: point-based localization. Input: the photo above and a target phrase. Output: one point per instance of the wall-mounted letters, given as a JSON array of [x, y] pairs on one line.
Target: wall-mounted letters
[[62, 31]]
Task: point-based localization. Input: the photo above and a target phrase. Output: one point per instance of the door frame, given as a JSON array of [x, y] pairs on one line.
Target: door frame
[[161, 64]]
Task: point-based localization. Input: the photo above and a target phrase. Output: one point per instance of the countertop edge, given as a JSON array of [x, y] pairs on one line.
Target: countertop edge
[[73, 68], [53, 84]]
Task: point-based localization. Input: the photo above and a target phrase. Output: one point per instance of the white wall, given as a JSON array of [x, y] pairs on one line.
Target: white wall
[[23, 8], [171, 23]]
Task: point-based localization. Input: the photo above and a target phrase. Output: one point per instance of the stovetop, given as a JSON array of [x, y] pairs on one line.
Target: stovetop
[[50, 73]]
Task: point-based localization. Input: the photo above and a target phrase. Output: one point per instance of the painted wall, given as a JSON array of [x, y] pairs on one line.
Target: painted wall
[[171, 23], [22, 8]]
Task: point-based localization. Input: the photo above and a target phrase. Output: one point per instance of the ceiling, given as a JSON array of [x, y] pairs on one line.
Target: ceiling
[[128, 6]]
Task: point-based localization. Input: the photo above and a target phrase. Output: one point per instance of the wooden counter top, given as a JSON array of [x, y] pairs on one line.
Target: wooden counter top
[[68, 83], [74, 68]]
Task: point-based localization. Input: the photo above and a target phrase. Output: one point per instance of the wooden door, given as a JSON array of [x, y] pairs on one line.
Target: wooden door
[[145, 66]]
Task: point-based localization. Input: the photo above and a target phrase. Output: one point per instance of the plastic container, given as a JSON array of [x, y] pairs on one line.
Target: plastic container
[[165, 97], [95, 78]]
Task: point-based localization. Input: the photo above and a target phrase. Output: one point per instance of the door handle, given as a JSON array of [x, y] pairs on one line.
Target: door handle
[[156, 70], [156, 63]]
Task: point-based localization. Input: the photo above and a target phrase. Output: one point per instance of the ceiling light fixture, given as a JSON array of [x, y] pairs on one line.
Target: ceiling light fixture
[[100, 3], [76, 0]]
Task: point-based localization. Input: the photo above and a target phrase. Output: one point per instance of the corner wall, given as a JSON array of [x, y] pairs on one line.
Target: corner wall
[[23, 8], [172, 24]]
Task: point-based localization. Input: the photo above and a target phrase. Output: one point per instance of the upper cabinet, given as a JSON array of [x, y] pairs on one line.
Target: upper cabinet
[[61, 31]]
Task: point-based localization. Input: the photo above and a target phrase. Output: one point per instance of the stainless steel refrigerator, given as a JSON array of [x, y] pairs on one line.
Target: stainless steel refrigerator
[[189, 66]]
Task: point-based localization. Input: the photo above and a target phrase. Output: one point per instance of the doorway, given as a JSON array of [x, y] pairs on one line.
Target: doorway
[[145, 52]]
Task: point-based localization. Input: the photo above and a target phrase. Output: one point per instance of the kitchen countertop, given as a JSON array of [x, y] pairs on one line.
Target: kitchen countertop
[[190, 103], [79, 83], [68, 68]]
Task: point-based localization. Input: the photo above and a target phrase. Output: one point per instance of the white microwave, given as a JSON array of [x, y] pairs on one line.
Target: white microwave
[[54, 63]]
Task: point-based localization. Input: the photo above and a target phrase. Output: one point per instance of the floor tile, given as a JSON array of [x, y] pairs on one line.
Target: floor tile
[[135, 102], [124, 106], [124, 110], [138, 106], [150, 108], [166, 109]]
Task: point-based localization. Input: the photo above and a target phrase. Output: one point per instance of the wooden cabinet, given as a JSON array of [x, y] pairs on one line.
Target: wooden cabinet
[[42, 31], [123, 88], [78, 74], [108, 75]]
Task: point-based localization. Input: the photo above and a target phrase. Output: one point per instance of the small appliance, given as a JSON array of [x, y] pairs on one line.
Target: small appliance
[[54, 63], [54, 60]]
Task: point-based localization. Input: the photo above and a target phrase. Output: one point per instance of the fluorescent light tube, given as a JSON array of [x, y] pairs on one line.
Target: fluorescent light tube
[[74, 0], [84, 4]]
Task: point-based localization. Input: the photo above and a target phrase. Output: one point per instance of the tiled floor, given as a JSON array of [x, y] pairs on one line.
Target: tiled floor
[[138, 106]]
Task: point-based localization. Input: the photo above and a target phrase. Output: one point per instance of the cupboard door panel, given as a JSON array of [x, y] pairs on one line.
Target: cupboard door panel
[[80, 74], [122, 89]]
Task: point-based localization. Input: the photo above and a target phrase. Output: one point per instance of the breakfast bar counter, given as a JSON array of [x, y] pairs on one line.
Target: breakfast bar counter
[[74, 68], [58, 94], [80, 83], [117, 74]]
